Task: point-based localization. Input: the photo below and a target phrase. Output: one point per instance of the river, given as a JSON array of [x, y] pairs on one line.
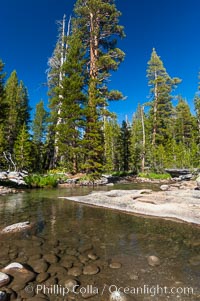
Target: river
[[64, 228]]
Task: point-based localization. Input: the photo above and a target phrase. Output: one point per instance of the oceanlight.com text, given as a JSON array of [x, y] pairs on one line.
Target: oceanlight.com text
[[151, 290]]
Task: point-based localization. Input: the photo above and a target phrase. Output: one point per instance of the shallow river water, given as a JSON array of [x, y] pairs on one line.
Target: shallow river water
[[79, 235]]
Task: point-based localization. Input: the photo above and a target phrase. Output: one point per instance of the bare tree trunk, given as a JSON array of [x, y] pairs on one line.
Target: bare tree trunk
[[143, 140], [64, 47], [94, 43], [155, 106]]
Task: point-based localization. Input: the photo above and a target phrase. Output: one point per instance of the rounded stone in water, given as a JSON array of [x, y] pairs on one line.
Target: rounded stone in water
[[71, 284], [153, 261], [4, 279], [117, 296], [115, 265], [3, 296]]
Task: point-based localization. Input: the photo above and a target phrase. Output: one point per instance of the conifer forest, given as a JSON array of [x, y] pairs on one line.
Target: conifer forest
[[77, 132]]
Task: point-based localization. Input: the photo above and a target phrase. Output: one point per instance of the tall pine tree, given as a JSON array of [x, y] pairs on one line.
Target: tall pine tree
[[161, 106], [98, 23]]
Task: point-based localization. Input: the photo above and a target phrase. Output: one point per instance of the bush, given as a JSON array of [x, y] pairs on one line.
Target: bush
[[154, 176], [40, 181]]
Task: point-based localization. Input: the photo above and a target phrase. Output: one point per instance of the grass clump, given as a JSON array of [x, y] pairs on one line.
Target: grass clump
[[154, 176], [41, 181]]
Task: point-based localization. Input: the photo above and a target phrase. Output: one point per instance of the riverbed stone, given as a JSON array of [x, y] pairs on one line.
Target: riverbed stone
[[133, 277], [19, 272], [16, 227], [164, 187], [115, 265], [75, 271], [195, 260], [86, 247], [39, 266], [56, 269], [71, 284], [83, 258], [42, 277], [117, 296], [50, 258], [4, 279], [3, 296], [92, 256], [91, 269], [153, 260]]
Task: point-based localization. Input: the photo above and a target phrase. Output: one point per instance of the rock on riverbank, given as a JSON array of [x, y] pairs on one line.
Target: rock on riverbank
[[183, 205]]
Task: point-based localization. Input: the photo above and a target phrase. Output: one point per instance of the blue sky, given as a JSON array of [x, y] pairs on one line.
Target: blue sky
[[28, 34]]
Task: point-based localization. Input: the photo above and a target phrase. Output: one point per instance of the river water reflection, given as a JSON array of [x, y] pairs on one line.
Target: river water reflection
[[63, 227]]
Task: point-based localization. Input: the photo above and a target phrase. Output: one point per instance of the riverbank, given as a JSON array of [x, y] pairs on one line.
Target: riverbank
[[176, 204]]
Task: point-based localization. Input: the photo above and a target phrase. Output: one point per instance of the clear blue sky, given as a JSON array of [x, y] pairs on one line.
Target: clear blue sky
[[28, 35]]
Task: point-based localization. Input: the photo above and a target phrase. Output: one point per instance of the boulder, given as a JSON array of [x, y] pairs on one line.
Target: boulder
[[20, 273], [16, 227], [198, 182], [176, 172], [164, 187], [3, 175], [4, 279]]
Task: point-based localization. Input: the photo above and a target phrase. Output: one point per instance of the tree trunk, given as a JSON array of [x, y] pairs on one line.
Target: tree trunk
[[143, 140], [155, 105]]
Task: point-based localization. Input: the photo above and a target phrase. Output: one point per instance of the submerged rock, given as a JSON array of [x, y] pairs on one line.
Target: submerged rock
[[115, 265], [153, 261], [17, 227], [90, 269], [3, 296], [117, 296], [4, 279], [20, 274]]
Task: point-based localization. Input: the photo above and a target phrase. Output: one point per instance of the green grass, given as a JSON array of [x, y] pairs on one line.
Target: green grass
[[41, 181], [154, 176]]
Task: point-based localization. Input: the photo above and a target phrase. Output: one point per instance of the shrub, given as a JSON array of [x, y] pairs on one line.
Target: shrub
[[40, 181], [154, 176]]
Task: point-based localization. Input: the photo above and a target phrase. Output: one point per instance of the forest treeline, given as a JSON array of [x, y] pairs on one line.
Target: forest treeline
[[78, 133]]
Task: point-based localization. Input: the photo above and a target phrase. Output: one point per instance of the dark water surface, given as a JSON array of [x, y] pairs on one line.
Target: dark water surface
[[63, 227]]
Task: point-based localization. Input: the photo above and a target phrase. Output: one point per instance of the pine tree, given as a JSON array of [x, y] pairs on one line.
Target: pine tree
[[98, 21], [39, 128], [125, 135], [69, 131], [2, 94], [11, 90], [23, 107], [111, 140], [23, 149], [138, 140], [161, 106], [184, 123]]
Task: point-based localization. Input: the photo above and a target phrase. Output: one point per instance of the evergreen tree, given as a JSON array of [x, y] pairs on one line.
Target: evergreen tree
[[161, 106], [23, 107], [125, 135], [23, 149], [97, 21], [111, 141], [69, 131], [184, 124], [39, 125], [138, 140], [11, 90], [2, 94], [39, 128]]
